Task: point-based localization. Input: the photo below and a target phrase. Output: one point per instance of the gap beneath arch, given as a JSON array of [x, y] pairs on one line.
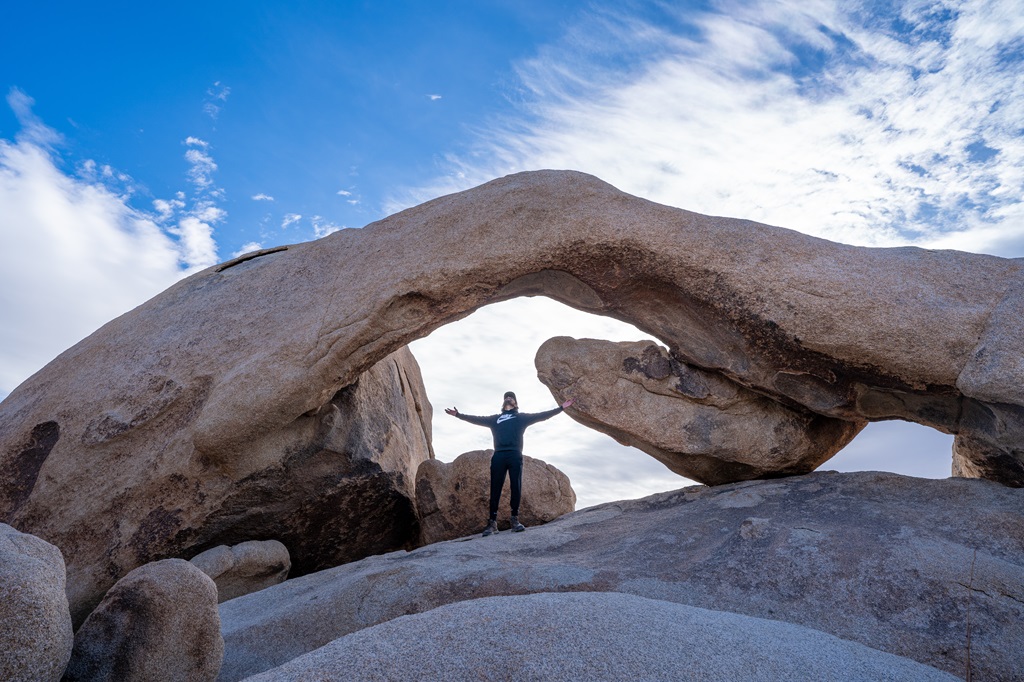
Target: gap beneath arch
[[472, 362]]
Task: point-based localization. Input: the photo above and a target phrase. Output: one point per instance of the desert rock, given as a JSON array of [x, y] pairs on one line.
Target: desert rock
[[35, 635], [206, 386], [334, 485], [452, 498], [894, 563], [247, 567], [593, 636], [697, 423], [159, 622]]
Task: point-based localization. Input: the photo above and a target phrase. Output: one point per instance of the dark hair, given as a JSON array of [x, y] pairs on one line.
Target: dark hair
[[509, 394]]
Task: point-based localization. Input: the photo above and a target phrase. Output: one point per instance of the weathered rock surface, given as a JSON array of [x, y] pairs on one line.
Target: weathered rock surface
[[697, 423], [246, 567], [214, 384], [159, 622], [891, 562], [129, 487], [452, 498], [35, 623], [593, 636]]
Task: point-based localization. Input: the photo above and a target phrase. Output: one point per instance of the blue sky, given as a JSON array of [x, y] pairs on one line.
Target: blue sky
[[139, 144]]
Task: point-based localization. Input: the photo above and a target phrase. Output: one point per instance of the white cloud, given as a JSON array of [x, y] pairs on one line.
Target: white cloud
[[74, 253], [344, 193], [323, 227], [262, 197], [290, 219], [885, 137], [434, 98], [201, 165], [216, 95], [248, 247]]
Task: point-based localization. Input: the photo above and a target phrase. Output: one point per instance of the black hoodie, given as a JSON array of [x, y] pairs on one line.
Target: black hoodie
[[508, 427]]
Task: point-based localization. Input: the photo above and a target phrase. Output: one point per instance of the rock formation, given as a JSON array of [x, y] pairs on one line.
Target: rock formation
[[594, 636], [697, 423], [35, 623], [452, 498], [247, 567], [212, 394], [898, 564], [159, 622], [333, 485]]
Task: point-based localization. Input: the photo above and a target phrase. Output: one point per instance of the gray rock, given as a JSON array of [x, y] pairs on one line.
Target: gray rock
[[246, 567], [159, 622], [35, 635], [698, 424], [894, 563], [452, 499], [593, 636]]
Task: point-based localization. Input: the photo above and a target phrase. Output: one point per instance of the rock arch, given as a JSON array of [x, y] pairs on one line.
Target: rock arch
[[207, 375]]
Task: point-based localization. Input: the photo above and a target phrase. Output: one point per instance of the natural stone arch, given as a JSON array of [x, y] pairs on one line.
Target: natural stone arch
[[215, 369]]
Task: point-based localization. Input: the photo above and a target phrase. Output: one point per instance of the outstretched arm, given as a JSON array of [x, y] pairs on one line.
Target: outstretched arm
[[541, 416], [472, 419]]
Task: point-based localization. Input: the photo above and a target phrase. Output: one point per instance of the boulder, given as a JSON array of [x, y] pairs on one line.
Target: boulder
[[159, 622], [334, 485], [218, 387], [699, 424], [246, 567], [902, 565], [35, 636], [593, 636], [452, 498]]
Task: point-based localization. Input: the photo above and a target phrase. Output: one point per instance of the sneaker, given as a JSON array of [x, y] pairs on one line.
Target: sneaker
[[516, 526], [492, 527]]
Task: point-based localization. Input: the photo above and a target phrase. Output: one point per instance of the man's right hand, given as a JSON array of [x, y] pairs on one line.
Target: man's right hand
[[453, 411]]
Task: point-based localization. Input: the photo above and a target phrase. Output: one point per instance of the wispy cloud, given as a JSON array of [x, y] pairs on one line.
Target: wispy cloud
[[434, 98], [323, 227], [902, 130], [290, 219], [262, 197], [248, 247], [216, 96]]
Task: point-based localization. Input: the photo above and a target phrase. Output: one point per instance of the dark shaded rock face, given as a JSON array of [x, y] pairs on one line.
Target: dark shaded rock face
[[151, 437], [697, 423], [902, 565]]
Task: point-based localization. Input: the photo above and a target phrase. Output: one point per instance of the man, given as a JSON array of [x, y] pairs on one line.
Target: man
[[507, 429]]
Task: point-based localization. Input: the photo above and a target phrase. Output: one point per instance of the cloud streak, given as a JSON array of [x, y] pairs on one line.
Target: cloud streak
[[904, 130]]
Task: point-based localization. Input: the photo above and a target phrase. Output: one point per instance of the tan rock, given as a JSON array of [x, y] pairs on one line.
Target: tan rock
[[159, 622], [697, 423], [452, 498], [894, 563], [207, 384], [246, 567], [334, 485], [35, 623]]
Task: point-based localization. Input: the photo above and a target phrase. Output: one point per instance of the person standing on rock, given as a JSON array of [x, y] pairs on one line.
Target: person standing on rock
[[507, 429]]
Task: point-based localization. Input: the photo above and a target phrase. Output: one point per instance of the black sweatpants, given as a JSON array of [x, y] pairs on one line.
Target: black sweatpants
[[510, 462]]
